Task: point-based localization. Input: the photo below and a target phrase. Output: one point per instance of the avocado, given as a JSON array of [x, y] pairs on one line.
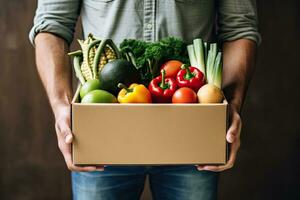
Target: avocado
[[99, 96], [115, 72]]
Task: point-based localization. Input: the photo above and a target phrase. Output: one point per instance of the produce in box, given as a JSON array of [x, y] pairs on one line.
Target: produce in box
[[115, 72], [99, 96], [162, 88], [172, 67], [148, 57], [184, 95], [92, 57], [90, 85], [190, 77], [173, 71], [135, 93], [209, 61]]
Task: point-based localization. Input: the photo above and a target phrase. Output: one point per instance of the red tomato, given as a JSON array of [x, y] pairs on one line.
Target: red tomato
[[184, 95], [172, 67]]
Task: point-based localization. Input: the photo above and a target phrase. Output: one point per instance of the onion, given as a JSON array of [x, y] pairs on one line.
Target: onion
[[209, 93]]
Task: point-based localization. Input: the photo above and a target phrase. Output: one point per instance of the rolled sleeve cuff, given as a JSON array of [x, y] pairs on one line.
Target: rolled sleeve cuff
[[53, 27], [241, 33]]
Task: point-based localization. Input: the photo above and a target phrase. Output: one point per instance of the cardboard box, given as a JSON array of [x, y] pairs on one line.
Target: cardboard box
[[149, 134]]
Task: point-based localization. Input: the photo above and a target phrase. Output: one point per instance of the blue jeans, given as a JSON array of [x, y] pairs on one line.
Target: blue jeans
[[127, 183]]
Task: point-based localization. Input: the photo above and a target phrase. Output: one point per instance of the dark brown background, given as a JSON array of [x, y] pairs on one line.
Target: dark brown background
[[267, 167]]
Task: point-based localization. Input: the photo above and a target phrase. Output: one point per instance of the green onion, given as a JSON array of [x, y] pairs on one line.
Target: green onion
[[207, 59], [217, 72], [205, 52], [192, 56], [199, 54], [210, 62]]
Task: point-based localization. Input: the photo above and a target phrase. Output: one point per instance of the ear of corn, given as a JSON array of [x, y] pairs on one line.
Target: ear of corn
[[79, 75], [95, 54], [85, 69], [103, 61]]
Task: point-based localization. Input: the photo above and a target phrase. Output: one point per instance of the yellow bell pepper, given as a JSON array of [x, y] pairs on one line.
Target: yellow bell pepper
[[136, 93]]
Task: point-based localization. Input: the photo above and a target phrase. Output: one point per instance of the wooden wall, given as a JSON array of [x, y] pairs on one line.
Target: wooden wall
[[267, 168]]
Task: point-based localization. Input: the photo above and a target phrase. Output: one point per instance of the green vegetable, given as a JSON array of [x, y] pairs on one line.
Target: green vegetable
[[132, 49], [97, 57], [211, 62], [85, 69], [117, 71], [90, 53], [205, 54], [95, 53], [199, 53], [147, 57], [217, 72], [75, 53], [99, 96], [77, 61], [191, 52], [111, 53], [208, 59], [90, 85]]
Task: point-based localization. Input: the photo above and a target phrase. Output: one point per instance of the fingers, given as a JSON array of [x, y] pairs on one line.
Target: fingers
[[232, 157], [234, 130], [66, 151], [233, 137], [65, 138]]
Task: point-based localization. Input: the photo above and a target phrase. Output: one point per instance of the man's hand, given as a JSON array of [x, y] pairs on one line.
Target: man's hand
[[238, 66], [65, 138], [55, 72], [232, 137]]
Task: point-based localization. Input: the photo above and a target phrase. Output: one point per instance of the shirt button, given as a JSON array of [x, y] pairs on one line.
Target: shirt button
[[149, 26]]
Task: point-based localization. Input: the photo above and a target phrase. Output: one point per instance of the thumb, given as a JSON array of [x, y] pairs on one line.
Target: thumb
[[68, 137], [230, 136], [234, 129]]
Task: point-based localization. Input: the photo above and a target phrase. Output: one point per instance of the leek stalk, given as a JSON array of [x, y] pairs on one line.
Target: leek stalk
[[199, 54]]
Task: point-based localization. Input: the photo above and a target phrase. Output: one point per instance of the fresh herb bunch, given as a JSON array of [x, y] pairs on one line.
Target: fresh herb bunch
[[147, 57]]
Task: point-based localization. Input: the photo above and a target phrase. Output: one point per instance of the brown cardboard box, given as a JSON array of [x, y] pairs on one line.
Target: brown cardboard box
[[149, 134]]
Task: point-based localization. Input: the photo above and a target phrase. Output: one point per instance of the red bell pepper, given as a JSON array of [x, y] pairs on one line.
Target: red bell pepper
[[162, 88], [190, 77]]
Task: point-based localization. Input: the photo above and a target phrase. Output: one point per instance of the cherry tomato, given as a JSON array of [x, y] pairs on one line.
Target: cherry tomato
[[172, 67], [184, 95]]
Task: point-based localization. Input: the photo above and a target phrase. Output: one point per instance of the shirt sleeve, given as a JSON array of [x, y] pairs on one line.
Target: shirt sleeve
[[237, 19], [56, 16]]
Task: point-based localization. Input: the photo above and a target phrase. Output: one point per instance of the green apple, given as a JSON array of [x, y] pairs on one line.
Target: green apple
[[90, 85], [99, 96]]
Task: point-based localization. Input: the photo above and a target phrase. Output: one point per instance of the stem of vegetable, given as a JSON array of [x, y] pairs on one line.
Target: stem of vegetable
[[75, 53], [127, 57], [199, 54], [210, 62], [155, 67], [217, 73], [123, 86], [191, 52], [163, 83], [150, 68], [188, 74], [205, 52], [132, 59]]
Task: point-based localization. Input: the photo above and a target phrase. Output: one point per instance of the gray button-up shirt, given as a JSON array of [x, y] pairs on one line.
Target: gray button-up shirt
[[150, 20]]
